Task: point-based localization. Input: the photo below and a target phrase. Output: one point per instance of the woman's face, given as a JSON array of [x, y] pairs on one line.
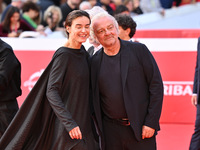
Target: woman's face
[[54, 18], [15, 17], [79, 30], [129, 5], [33, 14]]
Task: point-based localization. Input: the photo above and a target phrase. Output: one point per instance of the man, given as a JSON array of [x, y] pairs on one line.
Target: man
[[195, 141], [10, 82], [95, 44], [66, 8], [127, 26], [121, 9], [127, 90], [106, 5]]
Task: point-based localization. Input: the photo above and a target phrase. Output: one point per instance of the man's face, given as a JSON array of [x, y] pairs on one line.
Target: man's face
[[105, 31], [124, 34]]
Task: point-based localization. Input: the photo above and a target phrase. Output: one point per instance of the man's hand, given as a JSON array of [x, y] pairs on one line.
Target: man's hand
[[75, 133], [194, 100], [147, 132]]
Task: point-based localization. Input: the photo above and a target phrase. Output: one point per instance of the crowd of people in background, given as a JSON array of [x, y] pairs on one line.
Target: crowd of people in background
[[45, 18]]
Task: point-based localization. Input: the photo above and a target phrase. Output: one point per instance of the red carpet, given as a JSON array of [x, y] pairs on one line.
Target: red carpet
[[174, 136]]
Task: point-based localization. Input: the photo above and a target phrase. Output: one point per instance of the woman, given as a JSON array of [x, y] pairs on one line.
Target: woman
[[55, 115], [12, 25], [52, 17]]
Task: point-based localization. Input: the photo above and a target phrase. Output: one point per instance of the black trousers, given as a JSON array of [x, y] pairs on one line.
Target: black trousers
[[87, 143], [8, 109], [195, 141], [119, 137]]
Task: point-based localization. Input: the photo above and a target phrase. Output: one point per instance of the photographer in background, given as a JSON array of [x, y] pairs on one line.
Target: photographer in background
[[52, 17]]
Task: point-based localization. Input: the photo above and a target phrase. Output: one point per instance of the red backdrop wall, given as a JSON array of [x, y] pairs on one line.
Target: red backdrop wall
[[175, 56]]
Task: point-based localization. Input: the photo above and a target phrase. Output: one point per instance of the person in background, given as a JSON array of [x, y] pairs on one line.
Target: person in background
[[66, 8], [84, 5], [195, 140], [95, 44], [10, 85], [133, 7], [92, 2], [121, 9], [148, 6], [178, 2], [115, 3], [105, 4], [31, 15], [7, 2], [44, 4], [15, 3], [136, 8], [128, 4], [127, 26], [127, 89], [194, 1], [2, 7], [56, 113], [13, 26], [166, 4], [52, 16]]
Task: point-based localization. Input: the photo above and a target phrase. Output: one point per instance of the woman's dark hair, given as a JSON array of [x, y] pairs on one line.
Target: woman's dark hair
[[6, 22], [73, 15]]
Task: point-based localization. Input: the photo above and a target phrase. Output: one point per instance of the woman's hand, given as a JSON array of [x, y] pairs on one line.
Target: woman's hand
[[75, 133], [12, 34]]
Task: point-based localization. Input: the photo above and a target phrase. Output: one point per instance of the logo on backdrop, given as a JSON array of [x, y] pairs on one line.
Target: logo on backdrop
[[33, 79], [177, 88], [171, 88]]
